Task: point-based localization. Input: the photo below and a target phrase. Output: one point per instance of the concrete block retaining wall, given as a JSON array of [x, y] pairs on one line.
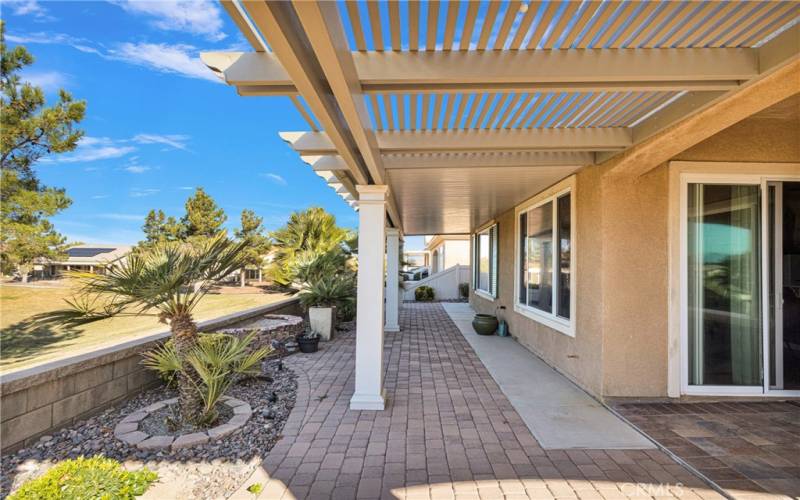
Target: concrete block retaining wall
[[38, 400]]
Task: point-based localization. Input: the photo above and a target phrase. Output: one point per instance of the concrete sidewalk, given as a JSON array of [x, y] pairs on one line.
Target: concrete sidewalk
[[558, 413]]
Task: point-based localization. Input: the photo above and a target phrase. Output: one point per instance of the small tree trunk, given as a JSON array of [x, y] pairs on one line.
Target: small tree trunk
[[184, 334], [242, 278]]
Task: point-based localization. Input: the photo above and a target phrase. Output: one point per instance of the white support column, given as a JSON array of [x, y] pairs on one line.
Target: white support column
[[392, 280], [369, 393]]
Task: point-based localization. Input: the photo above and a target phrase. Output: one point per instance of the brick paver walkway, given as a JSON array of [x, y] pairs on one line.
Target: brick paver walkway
[[448, 432]]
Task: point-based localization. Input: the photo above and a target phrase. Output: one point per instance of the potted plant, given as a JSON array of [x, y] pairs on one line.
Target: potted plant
[[321, 299], [484, 324], [308, 342]]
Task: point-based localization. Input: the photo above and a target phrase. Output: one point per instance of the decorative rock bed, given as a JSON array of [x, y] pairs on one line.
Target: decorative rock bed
[[129, 430], [272, 330]]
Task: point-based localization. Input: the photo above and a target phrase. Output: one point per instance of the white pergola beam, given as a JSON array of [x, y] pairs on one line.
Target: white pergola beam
[[482, 160], [562, 139], [479, 71]]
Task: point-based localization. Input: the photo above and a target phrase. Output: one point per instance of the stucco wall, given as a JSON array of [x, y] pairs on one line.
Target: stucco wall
[[623, 256], [456, 252]]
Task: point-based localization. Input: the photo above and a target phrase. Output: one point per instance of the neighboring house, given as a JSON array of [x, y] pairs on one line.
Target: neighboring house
[[92, 258], [447, 250], [416, 258], [636, 212]]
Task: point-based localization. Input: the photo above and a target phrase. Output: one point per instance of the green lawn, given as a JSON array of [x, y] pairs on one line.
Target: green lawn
[[22, 344]]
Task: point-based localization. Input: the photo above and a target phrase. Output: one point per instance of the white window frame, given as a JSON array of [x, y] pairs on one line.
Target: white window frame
[[551, 320], [689, 172], [493, 260]]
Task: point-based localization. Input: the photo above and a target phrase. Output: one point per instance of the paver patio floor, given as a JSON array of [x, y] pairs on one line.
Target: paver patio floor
[[448, 432]]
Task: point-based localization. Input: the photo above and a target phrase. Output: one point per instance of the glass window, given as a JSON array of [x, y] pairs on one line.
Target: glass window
[[485, 261], [545, 264]]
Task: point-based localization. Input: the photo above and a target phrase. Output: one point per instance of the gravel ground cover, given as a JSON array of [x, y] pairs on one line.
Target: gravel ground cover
[[212, 470]]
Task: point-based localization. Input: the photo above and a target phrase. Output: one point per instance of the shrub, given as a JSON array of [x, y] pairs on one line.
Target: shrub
[[86, 478], [424, 293], [334, 290], [463, 290], [217, 361]]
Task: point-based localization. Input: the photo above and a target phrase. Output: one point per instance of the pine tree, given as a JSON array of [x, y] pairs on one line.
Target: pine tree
[[204, 218], [28, 132], [159, 228], [252, 231]]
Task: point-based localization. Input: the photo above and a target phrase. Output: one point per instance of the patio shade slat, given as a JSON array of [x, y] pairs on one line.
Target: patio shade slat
[[242, 22], [394, 23], [777, 13], [520, 109], [373, 8], [694, 20], [469, 24], [537, 110], [508, 21], [597, 115], [510, 107], [412, 108], [636, 98], [544, 23], [597, 107], [355, 22], [376, 111], [634, 112], [484, 109], [562, 107], [474, 107], [678, 19], [387, 106], [590, 9], [450, 27], [547, 111], [401, 111], [460, 111], [448, 111], [304, 113], [558, 30], [424, 124], [497, 107], [663, 14], [618, 107], [488, 24], [627, 12], [598, 23], [528, 112], [589, 108], [662, 99], [437, 110], [433, 23], [571, 109], [633, 25], [525, 24], [726, 9], [742, 13], [413, 25]]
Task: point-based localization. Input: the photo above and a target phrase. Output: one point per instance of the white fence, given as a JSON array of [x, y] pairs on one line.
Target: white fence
[[444, 284]]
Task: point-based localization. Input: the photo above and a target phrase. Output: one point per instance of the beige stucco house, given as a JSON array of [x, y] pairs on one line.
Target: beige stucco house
[[629, 173], [448, 250], [92, 258]]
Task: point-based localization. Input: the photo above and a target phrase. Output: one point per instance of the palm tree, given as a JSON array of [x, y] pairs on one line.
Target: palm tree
[[166, 280], [306, 236]]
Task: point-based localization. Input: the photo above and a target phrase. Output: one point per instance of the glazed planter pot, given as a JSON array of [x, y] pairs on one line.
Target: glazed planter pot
[[308, 345], [322, 321], [484, 324]]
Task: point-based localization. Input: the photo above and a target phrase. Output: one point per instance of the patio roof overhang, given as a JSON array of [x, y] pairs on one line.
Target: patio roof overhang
[[465, 108]]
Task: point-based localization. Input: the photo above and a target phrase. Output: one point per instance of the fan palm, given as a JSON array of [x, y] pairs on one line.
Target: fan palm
[[167, 280]]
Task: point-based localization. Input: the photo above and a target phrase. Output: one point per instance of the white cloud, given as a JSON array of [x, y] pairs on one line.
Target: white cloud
[[186, 188], [136, 169], [177, 141], [277, 179], [28, 8], [121, 217], [198, 17], [93, 149], [179, 59], [49, 81], [143, 192], [100, 196]]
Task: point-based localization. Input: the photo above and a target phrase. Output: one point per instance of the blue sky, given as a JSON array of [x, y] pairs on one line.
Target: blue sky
[[158, 123]]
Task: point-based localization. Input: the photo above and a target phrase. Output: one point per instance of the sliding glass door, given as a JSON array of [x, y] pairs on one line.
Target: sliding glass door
[[724, 285]]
